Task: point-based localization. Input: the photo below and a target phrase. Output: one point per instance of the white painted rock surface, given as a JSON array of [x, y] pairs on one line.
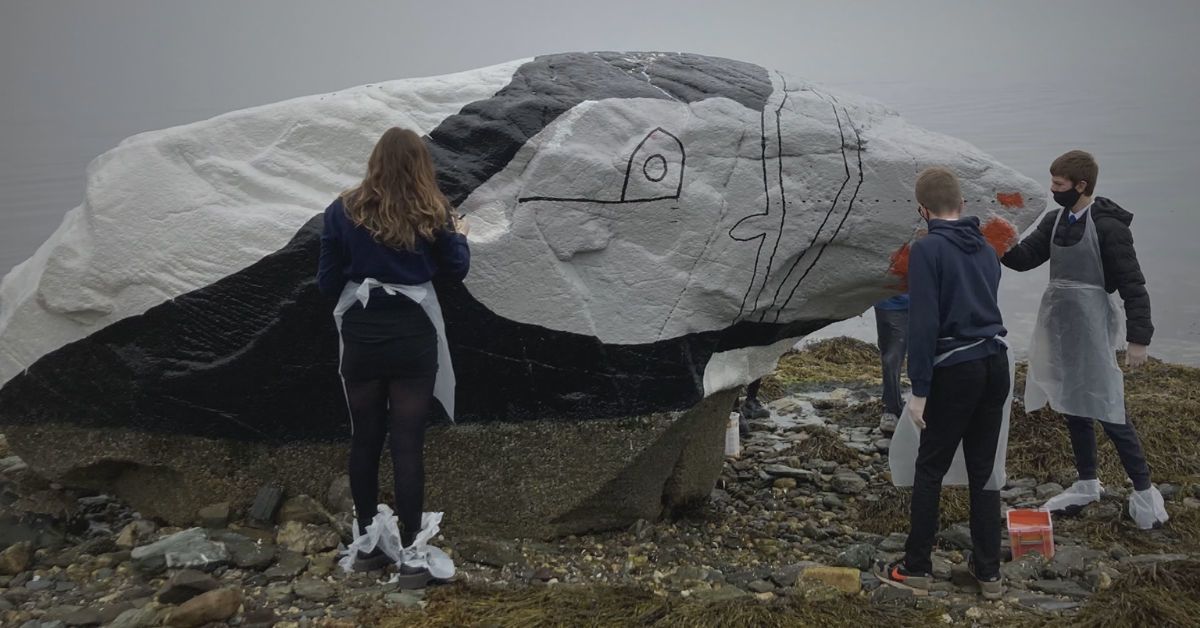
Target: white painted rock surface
[[646, 229]]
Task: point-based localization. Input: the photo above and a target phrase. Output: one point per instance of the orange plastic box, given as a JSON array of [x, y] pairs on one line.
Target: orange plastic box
[[1030, 531]]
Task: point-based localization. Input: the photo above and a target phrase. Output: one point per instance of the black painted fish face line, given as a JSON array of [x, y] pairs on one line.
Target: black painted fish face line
[[637, 220]]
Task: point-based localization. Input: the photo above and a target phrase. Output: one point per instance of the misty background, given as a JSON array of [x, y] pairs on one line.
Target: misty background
[[1023, 80]]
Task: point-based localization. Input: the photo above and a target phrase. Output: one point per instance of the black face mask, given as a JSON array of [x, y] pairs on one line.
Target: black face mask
[[1067, 198]]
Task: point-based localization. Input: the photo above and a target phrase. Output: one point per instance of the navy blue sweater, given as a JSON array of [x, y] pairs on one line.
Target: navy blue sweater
[[350, 253], [953, 276]]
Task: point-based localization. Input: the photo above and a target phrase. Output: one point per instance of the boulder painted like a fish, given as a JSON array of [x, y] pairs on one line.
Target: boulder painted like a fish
[[647, 229]]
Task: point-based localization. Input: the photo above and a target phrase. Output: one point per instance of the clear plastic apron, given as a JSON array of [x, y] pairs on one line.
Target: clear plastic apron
[[1072, 354], [425, 296], [902, 454]]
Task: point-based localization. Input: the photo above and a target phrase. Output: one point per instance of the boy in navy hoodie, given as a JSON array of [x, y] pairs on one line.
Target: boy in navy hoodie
[[960, 379]]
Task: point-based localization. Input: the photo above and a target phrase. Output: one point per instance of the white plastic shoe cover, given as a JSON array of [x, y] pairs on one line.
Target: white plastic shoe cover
[[1081, 493], [384, 532], [1147, 508]]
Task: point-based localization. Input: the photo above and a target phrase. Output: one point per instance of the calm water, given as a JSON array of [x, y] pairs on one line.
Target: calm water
[[1146, 137]]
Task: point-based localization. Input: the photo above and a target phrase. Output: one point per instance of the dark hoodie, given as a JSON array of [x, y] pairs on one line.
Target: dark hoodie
[[953, 276], [1121, 269]]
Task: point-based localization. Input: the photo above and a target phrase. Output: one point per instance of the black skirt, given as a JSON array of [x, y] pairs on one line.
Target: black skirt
[[392, 338]]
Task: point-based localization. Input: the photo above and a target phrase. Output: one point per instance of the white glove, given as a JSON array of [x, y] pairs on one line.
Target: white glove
[[1136, 355], [916, 410]]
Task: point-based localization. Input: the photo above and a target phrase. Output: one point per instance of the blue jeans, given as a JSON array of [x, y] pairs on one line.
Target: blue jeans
[[892, 328]]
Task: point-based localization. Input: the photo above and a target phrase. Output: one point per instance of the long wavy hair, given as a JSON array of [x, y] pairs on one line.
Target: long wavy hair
[[399, 200]]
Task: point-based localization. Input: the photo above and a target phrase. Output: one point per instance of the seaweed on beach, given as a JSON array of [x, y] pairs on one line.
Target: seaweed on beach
[[567, 605], [824, 444], [1162, 594], [842, 360], [890, 512]]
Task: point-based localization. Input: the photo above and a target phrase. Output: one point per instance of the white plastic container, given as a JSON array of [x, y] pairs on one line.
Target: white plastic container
[[733, 438]]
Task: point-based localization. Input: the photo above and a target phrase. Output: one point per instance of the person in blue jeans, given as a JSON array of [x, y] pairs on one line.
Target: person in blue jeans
[[891, 325]]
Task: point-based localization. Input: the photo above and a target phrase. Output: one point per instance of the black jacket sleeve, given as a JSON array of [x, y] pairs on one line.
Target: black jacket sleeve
[[1034, 250], [1123, 273]]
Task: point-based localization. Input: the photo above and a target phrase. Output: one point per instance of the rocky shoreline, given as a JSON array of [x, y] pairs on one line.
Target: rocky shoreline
[[788, 537]]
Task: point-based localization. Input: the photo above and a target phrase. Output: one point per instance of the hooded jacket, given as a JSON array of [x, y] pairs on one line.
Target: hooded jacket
[[1122, 272], [953, 277]]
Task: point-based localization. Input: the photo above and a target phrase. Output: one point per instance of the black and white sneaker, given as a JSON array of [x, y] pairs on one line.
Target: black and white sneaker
[[898, 573], [991, 587]]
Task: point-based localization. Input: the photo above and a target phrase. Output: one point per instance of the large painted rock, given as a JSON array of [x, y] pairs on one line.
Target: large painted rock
[[648, 230]]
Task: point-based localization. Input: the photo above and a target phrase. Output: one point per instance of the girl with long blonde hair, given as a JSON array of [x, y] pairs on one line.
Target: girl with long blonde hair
[[383, 241]]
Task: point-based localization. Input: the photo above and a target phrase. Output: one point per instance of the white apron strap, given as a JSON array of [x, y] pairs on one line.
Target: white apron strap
[[425, 296]]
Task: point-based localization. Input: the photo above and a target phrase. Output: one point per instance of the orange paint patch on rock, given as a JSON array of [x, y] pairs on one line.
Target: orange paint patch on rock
[[899, 266], [1001, 234], [1011, 200]]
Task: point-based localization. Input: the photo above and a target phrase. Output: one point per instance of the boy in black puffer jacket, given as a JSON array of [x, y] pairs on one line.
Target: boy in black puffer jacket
[[1072, 358]]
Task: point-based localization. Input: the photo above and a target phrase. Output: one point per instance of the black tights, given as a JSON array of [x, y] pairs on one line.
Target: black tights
[[397, 408]]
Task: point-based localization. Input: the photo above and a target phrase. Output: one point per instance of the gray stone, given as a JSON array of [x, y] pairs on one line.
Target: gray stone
[[189, 549], [1104, 510], [941, 567], [1065, 588], [16, 558], [1028, 483], [214, 516], [1010, 494], [491, 552], [110, 612], [266, 503], [883, 445], [860, 556], [245, 553], [39, 584], [405, 599], [83, 617], [832, 502], [338, 498], [1047, 490], [760, 586], [206, 608], [304, 509], [784, 577], [313, 590], [892, 595], [848, 483], [1169, 491], [306, 538], [185, 585], [1044, 603], [785, 471], [957, 536], [894, 542], [1072, 561], [1023, 569], [279, 592], [288, 565]]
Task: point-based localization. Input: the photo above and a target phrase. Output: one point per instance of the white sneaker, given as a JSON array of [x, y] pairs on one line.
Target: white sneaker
[[1078, 495], [1147, 508], [887, 423]]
